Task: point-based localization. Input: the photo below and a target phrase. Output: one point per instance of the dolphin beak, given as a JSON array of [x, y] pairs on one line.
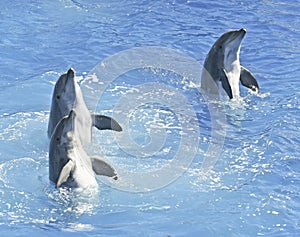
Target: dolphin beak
[[71, 73], [239, 34], [242, 32]]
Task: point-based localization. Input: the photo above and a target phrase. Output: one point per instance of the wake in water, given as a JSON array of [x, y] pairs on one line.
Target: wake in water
[[27, 197]]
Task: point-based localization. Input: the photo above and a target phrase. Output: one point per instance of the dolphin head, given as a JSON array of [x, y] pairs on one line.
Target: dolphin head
[[68, 162], [65, 86], [233, 36], [63, 99], [63, 132], [61, 143], [227, 48]]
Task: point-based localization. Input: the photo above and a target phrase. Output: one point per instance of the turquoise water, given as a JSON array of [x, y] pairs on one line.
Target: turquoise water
[[254, 187]]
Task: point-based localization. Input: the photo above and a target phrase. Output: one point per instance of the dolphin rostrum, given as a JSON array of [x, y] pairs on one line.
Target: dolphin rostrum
[[67, 95], [222, 64], [69, 164]]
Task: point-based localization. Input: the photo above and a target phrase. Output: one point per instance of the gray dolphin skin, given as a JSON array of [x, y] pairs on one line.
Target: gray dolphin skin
[[69, 165], [222, 64], [67, 95]]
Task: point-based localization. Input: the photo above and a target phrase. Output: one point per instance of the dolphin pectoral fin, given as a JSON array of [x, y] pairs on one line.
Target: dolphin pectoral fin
[[248, 80], [103, 122], [225, 83], [65, 173], [101, 167]]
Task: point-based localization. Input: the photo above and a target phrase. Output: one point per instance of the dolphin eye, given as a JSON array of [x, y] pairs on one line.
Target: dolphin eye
[[58, 97], [220, 47], [57, 139]]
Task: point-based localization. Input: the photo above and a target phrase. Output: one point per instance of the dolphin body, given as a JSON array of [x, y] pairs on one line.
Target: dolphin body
[[67, 95], [222, 66], [69, 165]]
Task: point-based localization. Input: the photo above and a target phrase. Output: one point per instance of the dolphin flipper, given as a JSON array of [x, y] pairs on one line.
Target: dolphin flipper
[[65, 173], [225, 83], [100, 167], [248, 80], [103, 122]]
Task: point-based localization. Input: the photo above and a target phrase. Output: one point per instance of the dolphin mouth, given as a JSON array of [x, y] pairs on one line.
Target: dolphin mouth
[[243, 30], [71, 73], [237, 36], [241, 33], [68, 76]]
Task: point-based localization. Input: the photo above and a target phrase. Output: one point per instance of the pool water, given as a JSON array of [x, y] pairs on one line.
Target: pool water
[[253, 189]]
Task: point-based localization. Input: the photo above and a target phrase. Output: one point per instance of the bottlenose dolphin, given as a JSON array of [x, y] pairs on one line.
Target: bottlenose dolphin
[[67, 95], [69, 164], [222, 64]]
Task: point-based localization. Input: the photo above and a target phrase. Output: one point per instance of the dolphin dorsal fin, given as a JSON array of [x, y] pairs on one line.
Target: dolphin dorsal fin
[[225, 83], [103, 122], [101, 167], [65, 173], [248, 80]]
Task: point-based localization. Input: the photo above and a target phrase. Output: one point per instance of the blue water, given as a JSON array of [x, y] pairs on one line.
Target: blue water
[[254, 188]]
